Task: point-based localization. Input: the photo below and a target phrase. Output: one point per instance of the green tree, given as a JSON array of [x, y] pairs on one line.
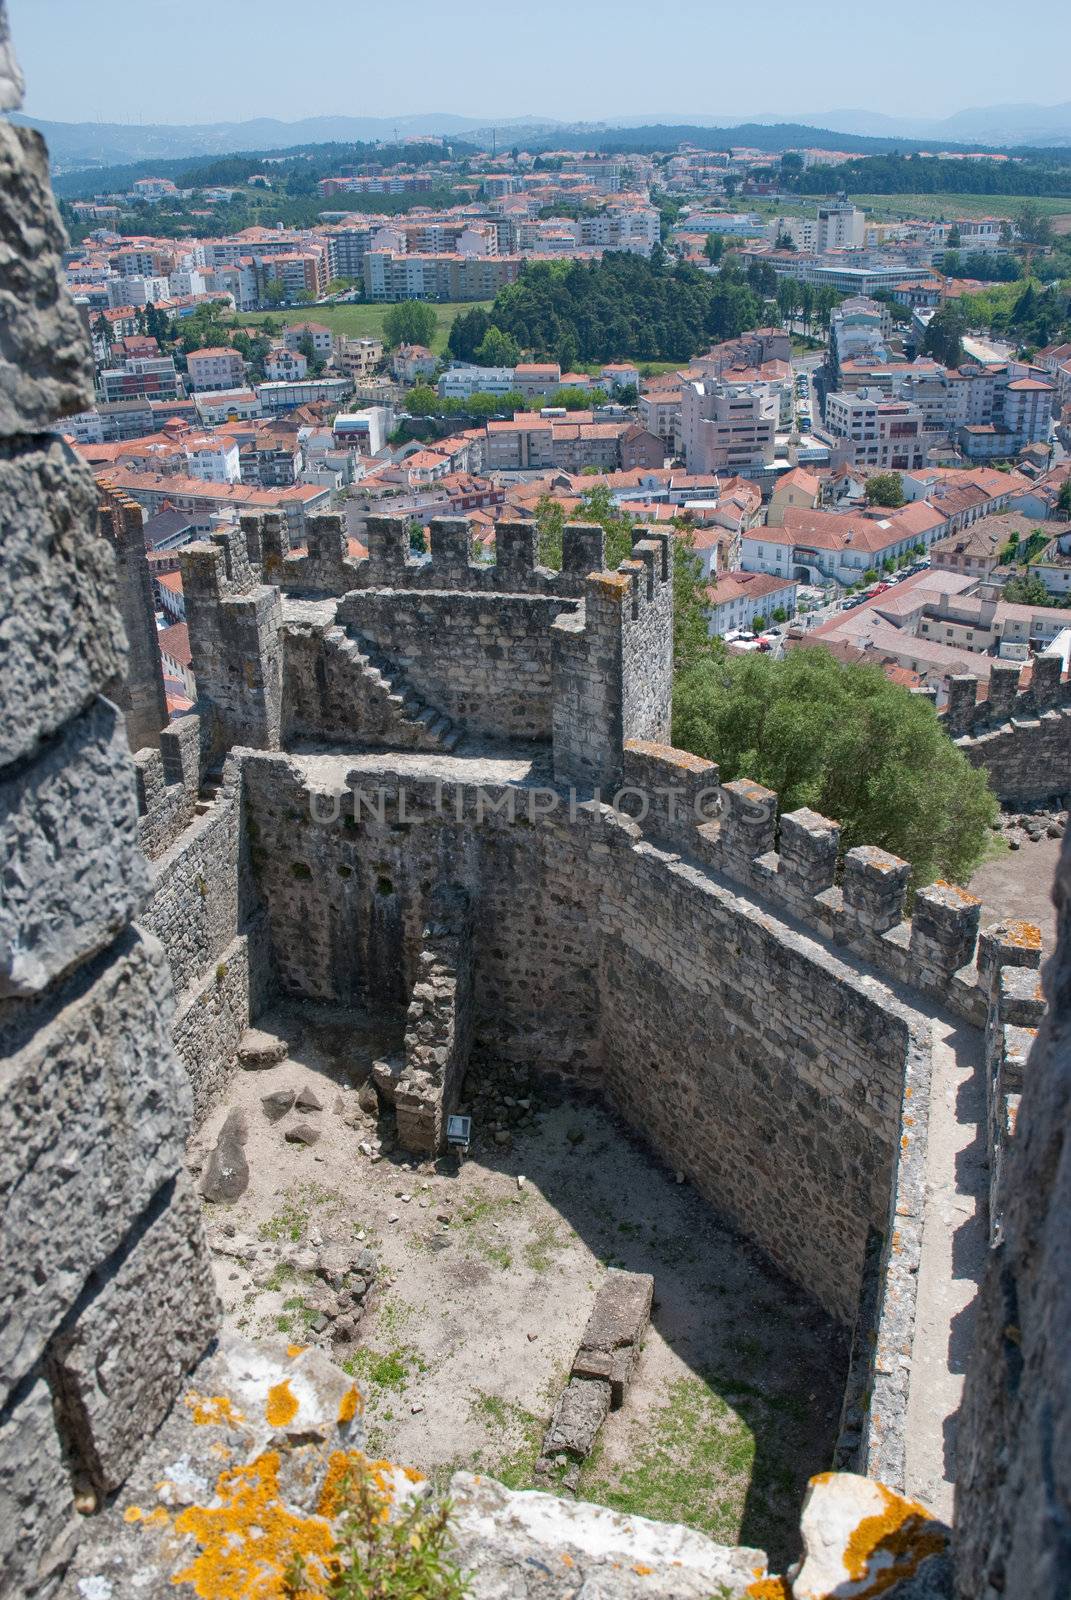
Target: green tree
[[1063, 499], [885, 489], [498, 349], [423, 401], [952, 238], [714, 247], [847, 742], [758, 623], [274, 292], [467, 332], [409, 322], [1034, 224], [944, 336], [418, 539], [1028, 590]]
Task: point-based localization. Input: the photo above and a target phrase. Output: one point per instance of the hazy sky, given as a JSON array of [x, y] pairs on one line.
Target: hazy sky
[[228, 60]]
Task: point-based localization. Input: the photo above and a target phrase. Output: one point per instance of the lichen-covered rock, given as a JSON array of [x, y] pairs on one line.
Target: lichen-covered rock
[[120, 1363], [861, 1540], [61, 640], [534, 1546], [45, 366], [73, 873]]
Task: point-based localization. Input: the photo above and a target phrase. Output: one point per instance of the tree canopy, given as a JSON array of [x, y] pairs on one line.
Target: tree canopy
[[621, 306], [885, 489], [409, 322], [846, 742]]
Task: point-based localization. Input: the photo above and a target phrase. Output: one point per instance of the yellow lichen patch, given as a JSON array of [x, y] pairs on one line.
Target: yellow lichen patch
[[769, 1589], [892, 1545], [282, 1404], [1026, 935], [641, 1571], [133, 1514], [295, 1350], [567, 1560], [350, 1404], [213, 1410], [249, 1540], [413, 1475], [341, 1466]]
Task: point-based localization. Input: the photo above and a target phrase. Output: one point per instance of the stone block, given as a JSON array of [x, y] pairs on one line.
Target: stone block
[[37, 1516], [1007, 944], [809, 846], [962, 698], [53, 658], [944, 926], [73, 873], [93, 1121], [583, 548], [11, 80], [749, 820], [578, 1416], [615, 1329], [1021, 998], [46, 371], [120, 1365], [875, 887]]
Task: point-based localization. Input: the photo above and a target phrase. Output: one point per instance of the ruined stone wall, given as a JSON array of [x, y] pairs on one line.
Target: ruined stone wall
[[597, 951], [484, 661], [1013, 1522], [105, 1292], [1022, 739], [202, 909], [140, 693]]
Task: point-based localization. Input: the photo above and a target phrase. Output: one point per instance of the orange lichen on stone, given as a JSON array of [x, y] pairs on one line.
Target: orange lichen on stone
[[962, 895], [1025, 935], [133, 1514], [351, 1402], [641, 1571], [769, 1589], [567, 1559], [282, 1404], [343, 1465], [295, 1350], [213, 1410], [892, 1545], [249, 1540]]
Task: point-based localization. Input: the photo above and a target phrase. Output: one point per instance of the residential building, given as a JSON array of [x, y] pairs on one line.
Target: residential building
[[212, 456], [840, 226], [879, 434], [461, 380], [365, 430], [296, 334], [816, 546], [739, 597], [358, 358], [411, 363], [148, 377], [728, 427], [227, 405], [797, 488], [217, 367], [532, 378], [284, 366]]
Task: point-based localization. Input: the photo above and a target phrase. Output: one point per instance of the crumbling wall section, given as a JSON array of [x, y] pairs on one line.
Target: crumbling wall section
[[438, 1031], [1021, 738]]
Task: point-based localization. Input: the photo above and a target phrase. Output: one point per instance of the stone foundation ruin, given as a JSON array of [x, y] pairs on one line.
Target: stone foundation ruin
[[396, 791]]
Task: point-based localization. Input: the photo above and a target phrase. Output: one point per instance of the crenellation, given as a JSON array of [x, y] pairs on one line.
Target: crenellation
[[944, 928]]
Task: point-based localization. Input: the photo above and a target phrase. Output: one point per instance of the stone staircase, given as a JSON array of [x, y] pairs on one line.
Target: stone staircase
[[388, 703]]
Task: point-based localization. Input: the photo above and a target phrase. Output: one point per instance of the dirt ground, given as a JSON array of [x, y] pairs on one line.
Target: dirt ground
[[486, 1272], [1018, 883]]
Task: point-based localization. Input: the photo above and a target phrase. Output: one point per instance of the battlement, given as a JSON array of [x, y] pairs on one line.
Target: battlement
[[859, 904], [1021, 737], [168, 783]]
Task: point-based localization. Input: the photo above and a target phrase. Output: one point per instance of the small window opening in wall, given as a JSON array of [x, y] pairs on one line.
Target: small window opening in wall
[[384, 886]]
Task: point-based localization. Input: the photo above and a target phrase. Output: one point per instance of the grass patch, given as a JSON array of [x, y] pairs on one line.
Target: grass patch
[[956, 205], [360, 321], [544, 1244], [516, 1435], [387, 1372], [295, 1209], [692, 1463]]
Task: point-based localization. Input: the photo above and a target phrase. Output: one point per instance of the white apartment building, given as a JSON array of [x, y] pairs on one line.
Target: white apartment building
[[136, 291], [728, 427], [215, 367], [185, 281], [285, 366], [739, 597], [841, 226], [321, 336], [884, 435], [212, 457], [461, 380]]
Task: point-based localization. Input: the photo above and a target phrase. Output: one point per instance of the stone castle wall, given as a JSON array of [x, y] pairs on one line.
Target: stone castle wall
[[1022, 738], [106, 1297]]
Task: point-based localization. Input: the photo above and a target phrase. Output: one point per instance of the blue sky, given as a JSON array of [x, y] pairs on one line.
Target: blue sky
[[224, 60]]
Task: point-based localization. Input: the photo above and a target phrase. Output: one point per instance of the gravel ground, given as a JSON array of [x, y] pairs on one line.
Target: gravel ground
[[457, 1293]]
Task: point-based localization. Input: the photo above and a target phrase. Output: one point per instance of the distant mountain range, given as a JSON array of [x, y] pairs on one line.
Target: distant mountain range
[[81, 144]]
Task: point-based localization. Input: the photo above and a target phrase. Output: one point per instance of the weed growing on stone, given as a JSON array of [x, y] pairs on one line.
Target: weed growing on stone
[[382, 1372], [382, 1552]]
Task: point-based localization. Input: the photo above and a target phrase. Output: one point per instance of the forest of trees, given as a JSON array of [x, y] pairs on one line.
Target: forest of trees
[[622, 306], [915, 174]]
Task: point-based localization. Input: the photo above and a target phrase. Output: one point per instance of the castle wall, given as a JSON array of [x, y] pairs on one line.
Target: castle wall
[[95, 1106], [1021, 738], [483, 661], [596, 951]]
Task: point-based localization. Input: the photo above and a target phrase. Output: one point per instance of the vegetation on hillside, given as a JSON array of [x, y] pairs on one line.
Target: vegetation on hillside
[[846, 742], [918, 174], [622, 306]]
